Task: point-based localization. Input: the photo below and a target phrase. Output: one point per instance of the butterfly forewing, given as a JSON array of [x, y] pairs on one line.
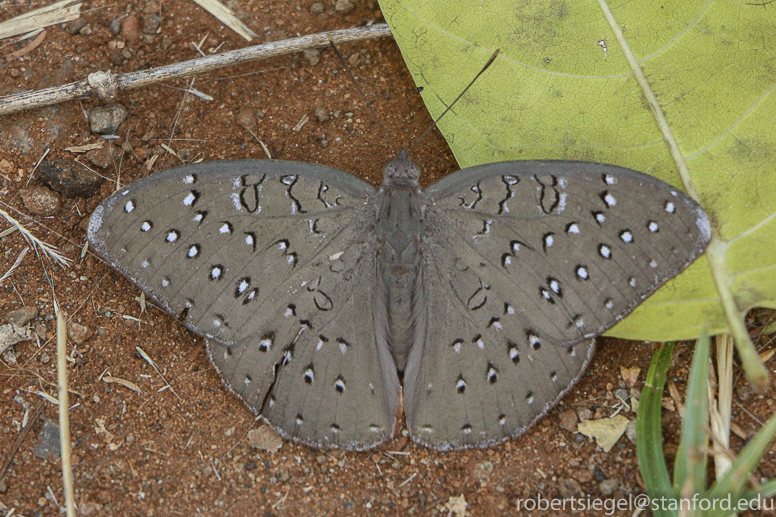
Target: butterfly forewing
[[265, 258], [581, 244]]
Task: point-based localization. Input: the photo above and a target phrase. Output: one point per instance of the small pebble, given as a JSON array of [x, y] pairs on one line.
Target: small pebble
[[583, 475], [317, 8], [630, 430], [622, 394], [48, 441], [569, 488], [75, 27], [313, 56], [105, 120], [607, 487], [78, 333], [584, 414], [321, 114], [568, 421], [744, 392], [102, 158], [344, 6], [130, 28], [68, 179], [151, 24], [246, 119], [6, 167], [40, 200], [115, 26], [483, 470], [21, 316], [265, 438]]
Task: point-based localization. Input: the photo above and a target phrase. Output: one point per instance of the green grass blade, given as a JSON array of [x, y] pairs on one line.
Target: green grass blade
[[691, 458], [649, 436]]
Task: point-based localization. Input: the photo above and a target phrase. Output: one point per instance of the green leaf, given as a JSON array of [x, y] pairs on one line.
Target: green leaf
[[684, 90]]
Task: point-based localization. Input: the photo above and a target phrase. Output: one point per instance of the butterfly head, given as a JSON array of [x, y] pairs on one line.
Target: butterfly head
[[401, 168]]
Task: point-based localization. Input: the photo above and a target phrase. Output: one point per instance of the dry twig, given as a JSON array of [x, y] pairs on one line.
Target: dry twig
[[107, 85]]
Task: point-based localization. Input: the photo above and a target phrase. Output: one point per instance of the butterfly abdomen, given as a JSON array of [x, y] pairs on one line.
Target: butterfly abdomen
[[398, 226]]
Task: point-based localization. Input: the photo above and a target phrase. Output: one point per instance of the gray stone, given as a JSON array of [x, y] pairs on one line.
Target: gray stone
[[313, 56], [344, 6], [40, 200], [569, 488], [607, 487], [21, 316], [105, 120], [48, 441]]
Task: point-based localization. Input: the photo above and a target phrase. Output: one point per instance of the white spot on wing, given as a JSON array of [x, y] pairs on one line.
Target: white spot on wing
[[235, 197], [189, 199]]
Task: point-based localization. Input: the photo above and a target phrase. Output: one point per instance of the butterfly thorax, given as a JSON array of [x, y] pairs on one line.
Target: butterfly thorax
[[400, 206]]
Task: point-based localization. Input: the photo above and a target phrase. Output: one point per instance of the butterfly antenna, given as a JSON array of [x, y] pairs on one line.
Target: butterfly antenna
[[360, 92], [482, 71]]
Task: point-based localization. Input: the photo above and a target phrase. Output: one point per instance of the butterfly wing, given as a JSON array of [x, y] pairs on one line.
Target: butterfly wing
[[263, 258], [534, 260]]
